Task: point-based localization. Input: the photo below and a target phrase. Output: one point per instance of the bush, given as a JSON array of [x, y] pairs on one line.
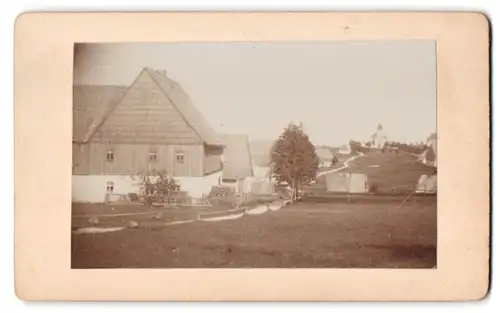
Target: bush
[[157, 186], [181, 197], [221, 192], [335, 160], [223, 203], [373, 188]]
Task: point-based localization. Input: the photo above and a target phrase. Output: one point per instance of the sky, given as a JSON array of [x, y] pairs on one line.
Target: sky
[[338, 90]]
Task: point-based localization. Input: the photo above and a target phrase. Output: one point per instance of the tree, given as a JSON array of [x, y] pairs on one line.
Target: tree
[[156, 185], [335, 160], [294, 159], [386, 146]]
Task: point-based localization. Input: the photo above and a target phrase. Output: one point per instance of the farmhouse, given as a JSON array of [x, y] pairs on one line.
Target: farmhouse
[[325, 156], [429, 156], [344, 150], [120, 132], [237, 163], [432, 142]]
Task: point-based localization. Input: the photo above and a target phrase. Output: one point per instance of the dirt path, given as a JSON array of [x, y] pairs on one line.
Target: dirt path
[[346, 165]]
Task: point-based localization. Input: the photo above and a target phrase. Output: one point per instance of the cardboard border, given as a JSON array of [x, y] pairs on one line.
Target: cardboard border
[[43, 128]]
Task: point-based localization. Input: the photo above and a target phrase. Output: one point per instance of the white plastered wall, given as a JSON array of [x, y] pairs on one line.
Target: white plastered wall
[[92, 188]]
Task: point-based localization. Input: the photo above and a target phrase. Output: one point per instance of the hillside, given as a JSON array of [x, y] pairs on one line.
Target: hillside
[[388, 172]]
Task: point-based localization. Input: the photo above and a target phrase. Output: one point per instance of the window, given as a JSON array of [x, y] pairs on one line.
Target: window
[[179, 157], [153, 156], [171, 201], [110, 187], [110, 156]]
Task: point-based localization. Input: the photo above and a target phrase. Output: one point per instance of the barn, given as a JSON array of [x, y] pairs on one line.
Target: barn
[[325, 156]]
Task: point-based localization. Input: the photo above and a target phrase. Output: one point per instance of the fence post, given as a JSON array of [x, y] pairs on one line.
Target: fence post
[[349, 187]]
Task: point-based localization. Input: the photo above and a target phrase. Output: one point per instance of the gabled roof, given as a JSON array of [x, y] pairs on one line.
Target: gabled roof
[[171, 89], [237, 160], [261, 146], [89, 103], [430, 155], [188, 110], [324, 154], [261, 152], [262, 160]]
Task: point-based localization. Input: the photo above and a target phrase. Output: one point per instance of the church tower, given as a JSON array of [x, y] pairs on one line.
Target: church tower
[[378, 138]]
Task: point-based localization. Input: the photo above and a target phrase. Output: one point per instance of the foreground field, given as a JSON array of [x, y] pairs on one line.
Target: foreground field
[[306, 234]]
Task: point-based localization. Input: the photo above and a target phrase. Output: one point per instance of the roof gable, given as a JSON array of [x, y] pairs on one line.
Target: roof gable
[[152, 108], [430, 154], [324, 154], [237, 160], [186, 108], [143, 115], [90, 103]]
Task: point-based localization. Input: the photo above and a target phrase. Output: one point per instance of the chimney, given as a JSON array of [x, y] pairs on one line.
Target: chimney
[[163, 72]]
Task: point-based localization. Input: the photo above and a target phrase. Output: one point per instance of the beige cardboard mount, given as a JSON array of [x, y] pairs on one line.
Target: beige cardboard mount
[[43, 130]]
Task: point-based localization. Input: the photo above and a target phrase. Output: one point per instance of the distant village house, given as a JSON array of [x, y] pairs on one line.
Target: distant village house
[[429, 156], [344, 150], [325, 156]]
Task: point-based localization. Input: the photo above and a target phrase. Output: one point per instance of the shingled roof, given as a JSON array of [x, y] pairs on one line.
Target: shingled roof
[[324, 154], [261, 152], [430, 155], [90, 103], [109, 100], [188, 110], [237, 160]]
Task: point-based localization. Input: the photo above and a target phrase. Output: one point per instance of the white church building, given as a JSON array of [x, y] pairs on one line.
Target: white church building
[[378, 139]]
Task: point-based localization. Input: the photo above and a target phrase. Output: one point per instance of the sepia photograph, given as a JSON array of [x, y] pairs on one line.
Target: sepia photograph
[[296, 152], [254, 155]]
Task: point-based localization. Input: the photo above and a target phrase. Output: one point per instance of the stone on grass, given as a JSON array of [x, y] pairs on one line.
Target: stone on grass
[[132, 224], [157, 216]]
